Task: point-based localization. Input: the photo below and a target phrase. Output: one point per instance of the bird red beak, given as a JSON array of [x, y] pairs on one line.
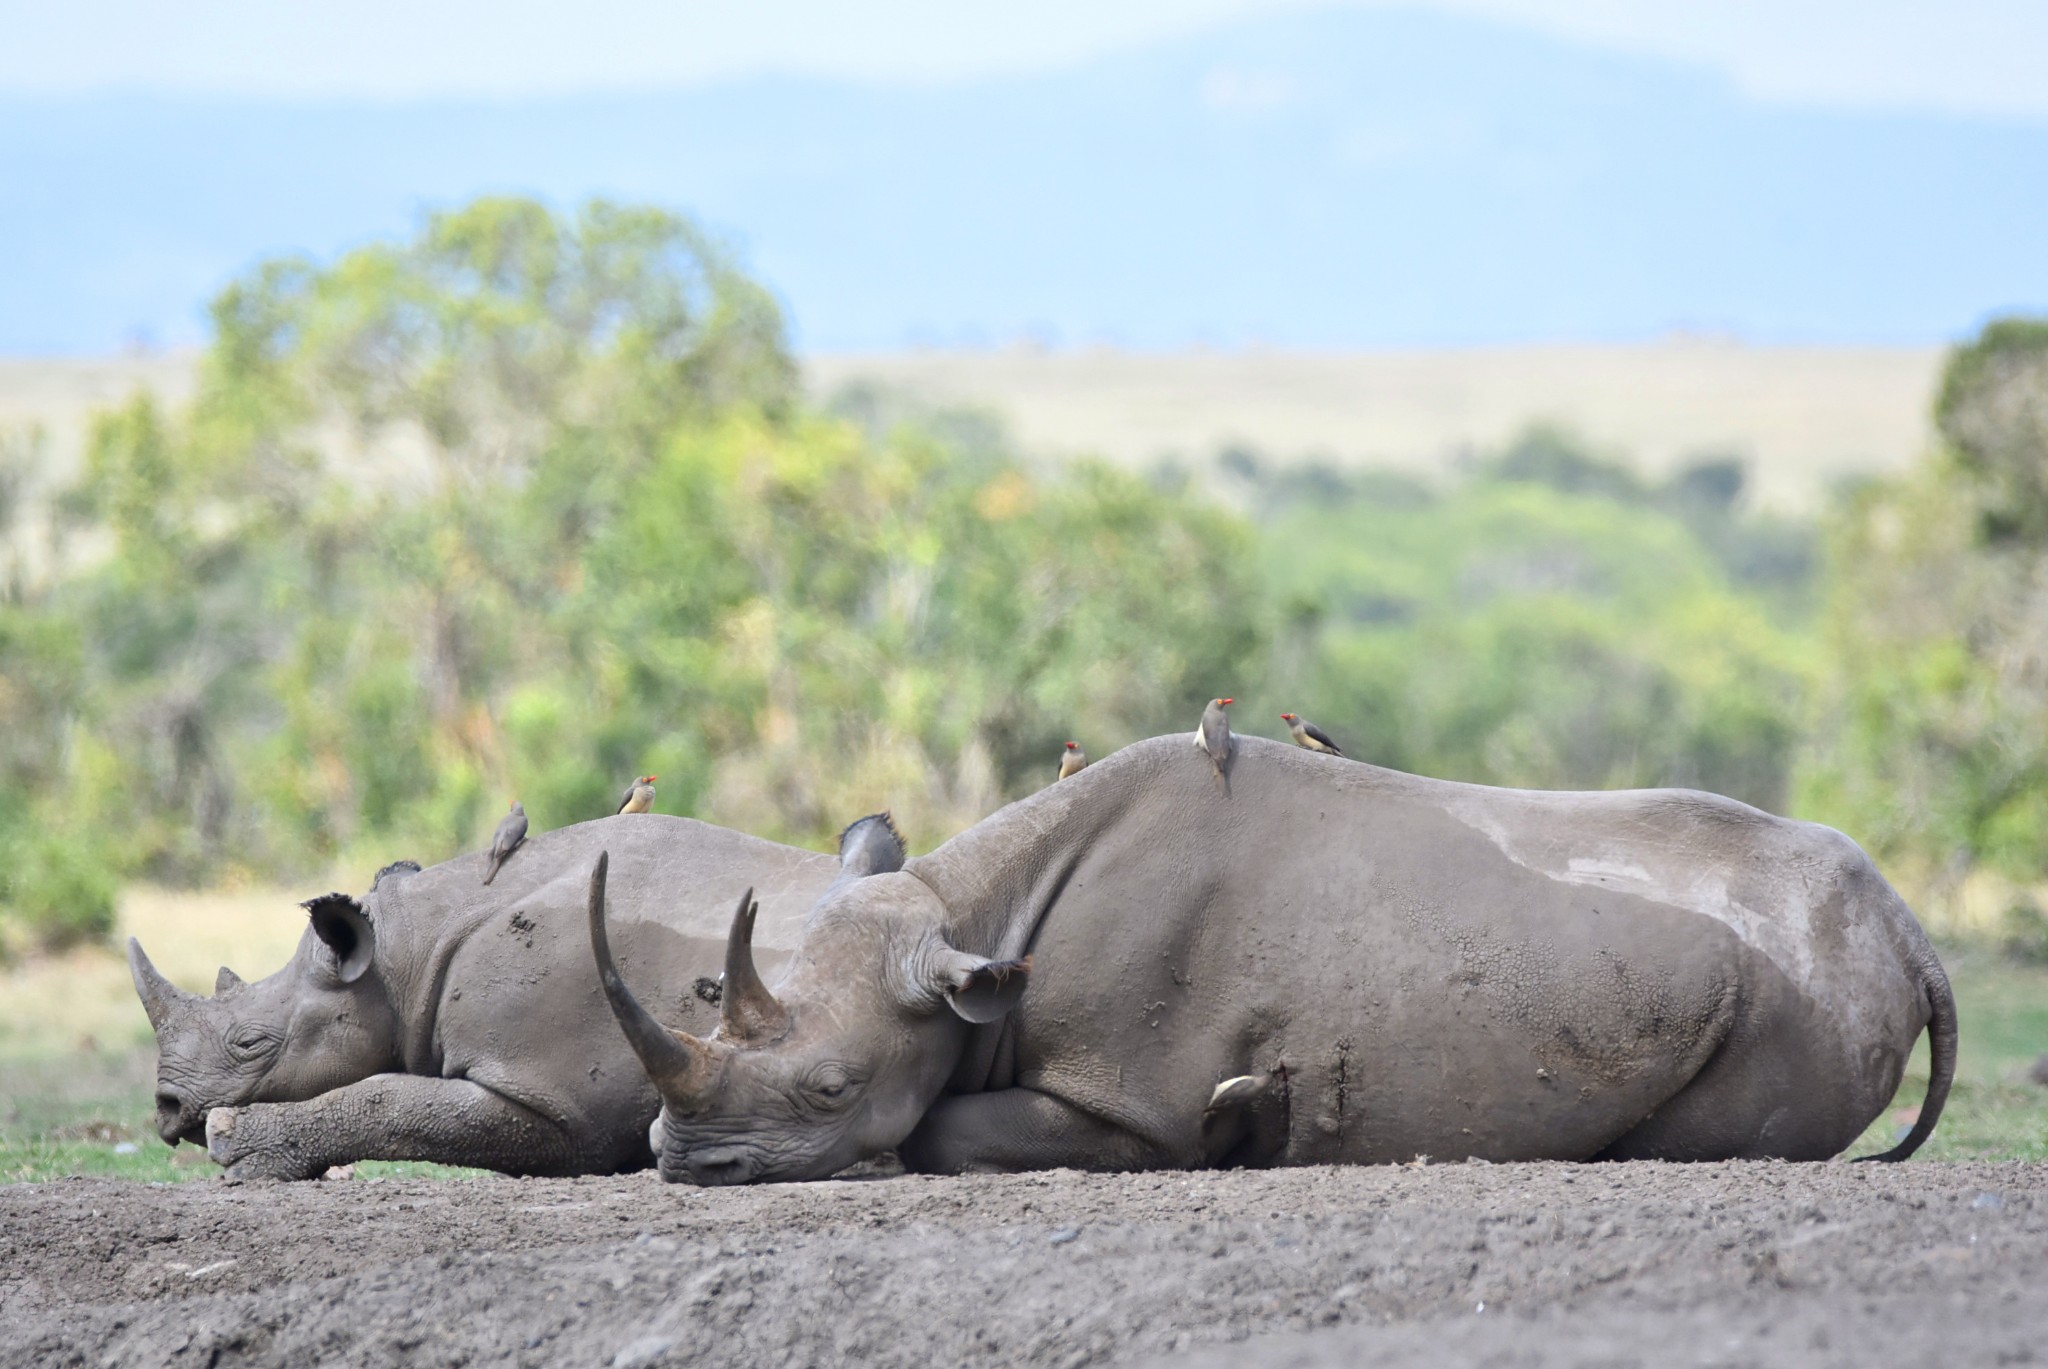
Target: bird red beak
[[1226, 702]]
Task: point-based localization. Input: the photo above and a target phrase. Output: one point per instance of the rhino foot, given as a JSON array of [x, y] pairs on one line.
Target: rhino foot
[[240, 1142]]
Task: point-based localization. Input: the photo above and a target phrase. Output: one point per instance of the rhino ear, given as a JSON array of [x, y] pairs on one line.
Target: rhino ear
[[395, 870], [338, 920], [225, 980], [977, 988], [871, 846]]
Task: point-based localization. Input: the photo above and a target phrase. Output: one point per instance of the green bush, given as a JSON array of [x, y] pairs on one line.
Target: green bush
[[1540, 625], [2023, 932], [1931, 740], [56, 890], [583, 527]]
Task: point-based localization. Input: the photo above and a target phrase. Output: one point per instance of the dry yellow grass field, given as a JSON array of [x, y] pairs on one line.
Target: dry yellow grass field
[[1803, 416], [82, 999], [61, 394]]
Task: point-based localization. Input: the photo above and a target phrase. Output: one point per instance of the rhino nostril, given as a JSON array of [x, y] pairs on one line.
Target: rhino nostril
[[170, 1117], [716, 1168]]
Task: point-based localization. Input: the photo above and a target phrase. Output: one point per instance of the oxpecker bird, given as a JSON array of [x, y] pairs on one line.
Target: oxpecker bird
[[1072, 759], [1246, 1120], [1307, 734], [511, 832], [1213, 736], [640, 797]]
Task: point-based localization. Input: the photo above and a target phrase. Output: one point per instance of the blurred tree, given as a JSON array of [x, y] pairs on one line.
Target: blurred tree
[[1993, 414], [1934, 739], [1548, 455], [859, 624], [531, 504], [52, 872], [1517, 632], [528, 505]]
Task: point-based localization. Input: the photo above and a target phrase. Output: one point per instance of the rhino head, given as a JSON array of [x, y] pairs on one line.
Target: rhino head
[[322, 1021], [837, 1065]]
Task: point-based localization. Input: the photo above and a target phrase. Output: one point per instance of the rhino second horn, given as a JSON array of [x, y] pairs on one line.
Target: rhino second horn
[[225, 980], [160, 997], [679, 1064], [749, 1011]]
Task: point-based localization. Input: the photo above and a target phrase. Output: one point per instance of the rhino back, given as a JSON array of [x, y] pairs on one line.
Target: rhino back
[[1427, 960], [685, 874]]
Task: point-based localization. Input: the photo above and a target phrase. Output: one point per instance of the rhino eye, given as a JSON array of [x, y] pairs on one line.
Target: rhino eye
[[250, 1042], [830, 1083]]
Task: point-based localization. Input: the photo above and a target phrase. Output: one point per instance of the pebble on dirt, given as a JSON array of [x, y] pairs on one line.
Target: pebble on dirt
[[642, 1352]]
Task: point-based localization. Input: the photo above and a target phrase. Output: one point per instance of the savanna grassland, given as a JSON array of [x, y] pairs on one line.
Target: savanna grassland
[[532, 502]]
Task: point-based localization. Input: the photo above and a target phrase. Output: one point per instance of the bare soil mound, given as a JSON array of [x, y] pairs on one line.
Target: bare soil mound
[[1486, 1264]]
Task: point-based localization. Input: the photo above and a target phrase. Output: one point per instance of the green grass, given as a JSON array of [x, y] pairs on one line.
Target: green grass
[[73, 1115], [70, 1112]]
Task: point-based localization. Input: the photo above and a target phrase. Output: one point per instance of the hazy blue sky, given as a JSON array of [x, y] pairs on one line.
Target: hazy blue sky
[[1151, 174], [1956, 55]]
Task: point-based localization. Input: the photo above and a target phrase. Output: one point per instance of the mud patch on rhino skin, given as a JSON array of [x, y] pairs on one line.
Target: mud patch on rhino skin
[[521, 928], [712, 991], [1343, 1090]]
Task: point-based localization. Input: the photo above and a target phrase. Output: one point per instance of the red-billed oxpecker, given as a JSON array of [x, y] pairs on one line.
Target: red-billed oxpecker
[[1307, 734], [639, 798], [1213, 736], [506, 839], [1072, 759]]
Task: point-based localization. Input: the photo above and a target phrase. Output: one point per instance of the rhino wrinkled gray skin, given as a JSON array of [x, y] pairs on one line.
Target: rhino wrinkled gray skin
[[441, 1019], [1328, 963]]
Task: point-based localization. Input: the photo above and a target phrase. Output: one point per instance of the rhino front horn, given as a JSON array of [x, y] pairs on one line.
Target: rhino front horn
[[679, 1064], [748, 1011], [160, 997]]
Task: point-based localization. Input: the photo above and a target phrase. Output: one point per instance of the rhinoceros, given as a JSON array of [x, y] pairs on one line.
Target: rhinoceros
[[438, 1018], [1365, 965]]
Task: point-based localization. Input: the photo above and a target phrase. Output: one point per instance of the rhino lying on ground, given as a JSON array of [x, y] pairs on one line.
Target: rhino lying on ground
[[1366, 965], [440, 1019]]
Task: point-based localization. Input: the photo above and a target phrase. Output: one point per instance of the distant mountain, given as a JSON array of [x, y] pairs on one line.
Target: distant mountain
[[1344, 178]]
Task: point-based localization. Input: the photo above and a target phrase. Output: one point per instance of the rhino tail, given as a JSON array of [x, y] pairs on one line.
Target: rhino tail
[[1941, 1052]]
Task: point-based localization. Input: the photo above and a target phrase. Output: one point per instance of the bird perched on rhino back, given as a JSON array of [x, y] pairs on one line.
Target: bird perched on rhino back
[[639, 798], [511, 832], [1307, 734], [1072, 759], [1213, 736]]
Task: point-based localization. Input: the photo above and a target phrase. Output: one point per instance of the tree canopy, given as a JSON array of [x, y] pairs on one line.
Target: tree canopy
[[533, 502]]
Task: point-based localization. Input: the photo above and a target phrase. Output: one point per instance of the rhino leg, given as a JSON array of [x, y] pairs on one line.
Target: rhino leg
[[1008, 1130], [387, 1117]]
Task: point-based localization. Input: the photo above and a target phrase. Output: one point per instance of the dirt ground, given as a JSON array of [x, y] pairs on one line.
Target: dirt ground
[[1517, 1265]]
